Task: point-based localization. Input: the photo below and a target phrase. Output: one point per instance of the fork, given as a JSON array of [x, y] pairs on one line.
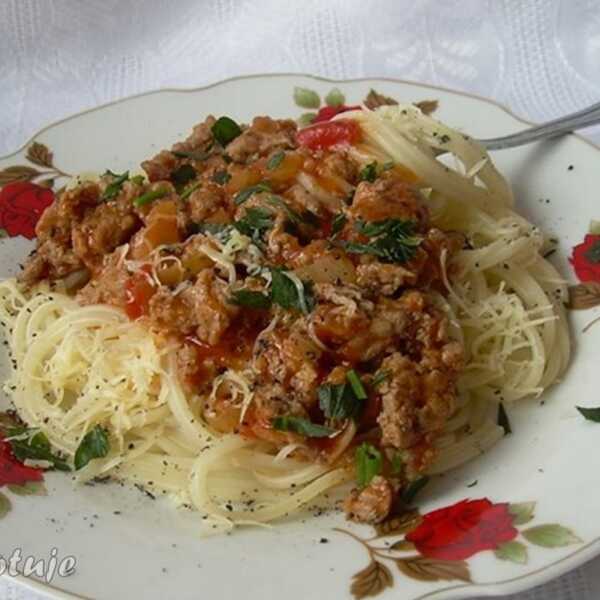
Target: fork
[[577, 120]]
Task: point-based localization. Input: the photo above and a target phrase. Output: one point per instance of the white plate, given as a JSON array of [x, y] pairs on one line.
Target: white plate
[[151, 550]]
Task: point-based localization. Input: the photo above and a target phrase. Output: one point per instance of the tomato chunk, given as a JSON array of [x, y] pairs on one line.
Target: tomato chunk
[[140, 290], [329, 134]]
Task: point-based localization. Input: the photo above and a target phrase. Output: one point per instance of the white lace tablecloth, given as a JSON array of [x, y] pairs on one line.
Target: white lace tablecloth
[[58, 57]]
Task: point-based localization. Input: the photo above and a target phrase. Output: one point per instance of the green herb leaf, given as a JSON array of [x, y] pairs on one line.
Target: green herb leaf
[[275, 160], [150, 197], [192, 155], [255, 223], [337, 224], [338, 401], [33, 445], [221, 177], [288, 291], [502, 419], [397, 463], [250, 299], [591, 414], [183, 175], [245, 194], [306, 98], [379, 378], [335, 98], [114, 187], [357, 386], [593, 252], [393, 240], [137, 179], [93, 445], [306, 119], [301, 426], [368, 172], [368, 463], [306, 218], [190, 190], [412, 489], [225, 130]]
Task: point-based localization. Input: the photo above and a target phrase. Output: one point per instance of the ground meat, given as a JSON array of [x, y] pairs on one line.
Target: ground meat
[[201, 137], [209, 203], [388, 198], [51, 260], [54, 257], [262, 137], [202, 309], [289, 356], [419, 394], [372, 504], [383, 278], [103, 228], [108, 286], [161, 166]]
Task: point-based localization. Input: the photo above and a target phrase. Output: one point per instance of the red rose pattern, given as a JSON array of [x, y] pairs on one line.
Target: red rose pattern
[[464, 529], [21, 205], [586, 269], [13, 471]]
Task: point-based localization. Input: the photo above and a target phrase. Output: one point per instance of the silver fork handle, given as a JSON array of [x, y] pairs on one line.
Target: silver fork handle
[[583, 118]]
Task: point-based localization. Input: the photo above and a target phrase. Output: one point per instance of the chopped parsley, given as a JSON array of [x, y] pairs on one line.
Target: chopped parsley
[[290, 292], [306, 218], [379, 378], [503, 419], [183, 175], [368, 172], [368, 463], [150, 197], [245, 194], [413, 488], [339, 401], [114, 187], [225, 130], [221, 177], [250, 299], [392, 240], [591, 414], [190, 190], [255, 223], [275, 160], [301, 426], [356, 384], [397, 463], [31, 444], [193, 154], [337, 224], [93, 445]]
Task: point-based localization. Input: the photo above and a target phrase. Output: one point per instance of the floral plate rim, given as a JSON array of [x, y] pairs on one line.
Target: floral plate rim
[[186, 89], [514, 584]]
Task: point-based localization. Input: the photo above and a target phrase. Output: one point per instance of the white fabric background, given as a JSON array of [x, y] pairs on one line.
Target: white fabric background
[[58, 57]]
